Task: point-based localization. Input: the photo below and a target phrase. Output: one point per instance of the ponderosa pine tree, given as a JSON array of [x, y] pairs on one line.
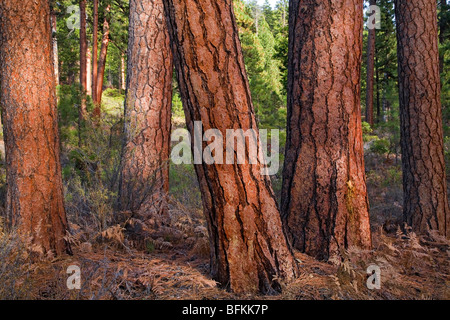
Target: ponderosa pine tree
[[324, 199], [424, 179], [249, 252], [34, 199], [144, 180]]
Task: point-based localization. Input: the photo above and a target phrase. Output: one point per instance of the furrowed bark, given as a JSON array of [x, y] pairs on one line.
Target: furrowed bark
[[249, 251], [424, 181], [324, 199], [144, 181], [34, 200]]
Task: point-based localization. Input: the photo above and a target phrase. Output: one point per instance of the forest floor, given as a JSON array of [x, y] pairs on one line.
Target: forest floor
[[411, 268]]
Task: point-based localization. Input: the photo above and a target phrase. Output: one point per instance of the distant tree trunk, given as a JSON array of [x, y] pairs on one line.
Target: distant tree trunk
[[144, 183], [122, 73], [95, 51], [102, 64], [324, 200], [377, 80], [34, 199], [89, 71], [424, 181], [249, 251], [55, 46], [83, 61], [370, 72], [442, 32]]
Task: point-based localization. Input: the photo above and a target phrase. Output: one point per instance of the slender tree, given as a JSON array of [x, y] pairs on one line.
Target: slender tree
[[249, 251], [83, 60], [94, 50], [424, 180], [34, 199], [324, 199], [144, 182], [370, 71], [102, 63], [443, 29]]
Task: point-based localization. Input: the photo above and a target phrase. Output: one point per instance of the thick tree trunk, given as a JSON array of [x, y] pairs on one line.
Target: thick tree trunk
[[424, 181], [95, 51], [102, 64], [34, 198], [144, 183], [83, 61], [370, 72], [324, 199], [249, 251]]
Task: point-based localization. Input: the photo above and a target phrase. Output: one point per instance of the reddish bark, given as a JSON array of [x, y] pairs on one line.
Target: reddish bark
[[144, 181], [94, 51], [34, 198], [324, 199], [249, 251], [102, 64]]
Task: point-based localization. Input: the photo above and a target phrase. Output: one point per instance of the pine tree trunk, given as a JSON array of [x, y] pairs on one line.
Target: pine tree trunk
[[144, 181], [95, 51], [249, 251], [34, 198], [370, 72], [55, 47], [324, 199], [89, 71], [102, 64], [424, 181], [83, 60], [122, 72]]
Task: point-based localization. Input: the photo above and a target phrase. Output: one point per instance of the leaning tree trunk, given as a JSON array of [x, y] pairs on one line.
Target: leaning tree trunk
[[424, 181], [324, 199], [370, 71], [249, 251], [34, 199], [144, 181]]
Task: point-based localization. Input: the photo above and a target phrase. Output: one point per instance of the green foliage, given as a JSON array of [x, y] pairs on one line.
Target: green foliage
[[380, 146]]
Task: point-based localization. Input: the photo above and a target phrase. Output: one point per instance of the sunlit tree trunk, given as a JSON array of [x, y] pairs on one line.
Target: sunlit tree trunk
[[102, 64], [83, 60], [34, 198], [249, 252], [424, 180], [144, 183], [324, 200], [94, 50]]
